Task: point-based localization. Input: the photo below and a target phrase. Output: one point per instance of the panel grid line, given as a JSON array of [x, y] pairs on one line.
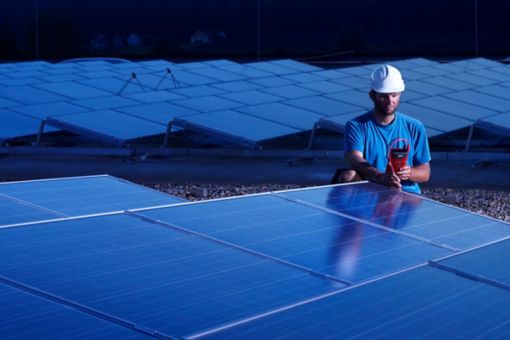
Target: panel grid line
[[238, 247], [28, 204], [82, 308], [376, 225]]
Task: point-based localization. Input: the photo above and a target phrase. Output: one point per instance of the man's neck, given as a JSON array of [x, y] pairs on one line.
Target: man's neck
[[383, 118]]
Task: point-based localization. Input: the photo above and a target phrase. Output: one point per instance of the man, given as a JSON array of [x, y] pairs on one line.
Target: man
[[369, 137]]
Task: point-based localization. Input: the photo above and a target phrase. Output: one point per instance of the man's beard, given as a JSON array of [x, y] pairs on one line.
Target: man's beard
[[385, 110]]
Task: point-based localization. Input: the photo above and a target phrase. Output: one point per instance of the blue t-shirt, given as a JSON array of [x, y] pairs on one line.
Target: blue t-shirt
[[372, 139]]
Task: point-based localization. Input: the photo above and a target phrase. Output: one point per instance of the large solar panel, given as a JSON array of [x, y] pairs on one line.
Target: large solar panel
[[30, 201], [155, 276], [334, 261], [28, 316], [13, 125], [423, 303]]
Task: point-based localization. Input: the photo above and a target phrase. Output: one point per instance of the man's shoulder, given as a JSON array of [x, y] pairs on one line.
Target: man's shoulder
[[408, 120], [363, 118]]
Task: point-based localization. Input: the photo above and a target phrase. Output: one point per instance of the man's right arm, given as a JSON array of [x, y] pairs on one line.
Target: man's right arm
[[368, 172]]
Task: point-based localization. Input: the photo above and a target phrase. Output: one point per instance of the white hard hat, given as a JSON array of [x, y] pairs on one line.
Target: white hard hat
[[387, 79]]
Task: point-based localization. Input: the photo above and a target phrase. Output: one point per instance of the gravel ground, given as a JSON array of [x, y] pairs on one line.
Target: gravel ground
[[495, 204]]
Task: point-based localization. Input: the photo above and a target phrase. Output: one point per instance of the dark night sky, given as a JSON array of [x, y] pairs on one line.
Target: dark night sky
[[398, 27]]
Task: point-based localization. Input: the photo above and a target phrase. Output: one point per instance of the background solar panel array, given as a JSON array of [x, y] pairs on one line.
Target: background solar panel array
[[121, 102], [336, 261]]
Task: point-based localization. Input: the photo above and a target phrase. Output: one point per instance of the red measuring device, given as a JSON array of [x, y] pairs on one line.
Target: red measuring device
[[398, 151]]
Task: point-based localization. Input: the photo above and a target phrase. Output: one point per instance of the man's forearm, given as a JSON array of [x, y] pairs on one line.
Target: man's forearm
[[420, 173]]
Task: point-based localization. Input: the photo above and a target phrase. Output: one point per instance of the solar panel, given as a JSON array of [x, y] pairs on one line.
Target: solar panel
[[155, 96], [296, 65], [324, 86], [272, 67], [499, 123], [483, 100], [414, 215], [428, 89], [323, 106], [156, 277], [246, 71], [495, 90], [354, 97], [235, 86], [435, 119], [218, 74], [283, 114], [208, 104], [197, 91], [488, 263], [104, 103], [454, 107], [28, 316], [161, 113], [473, 79], [272, 81], [449, 83], [326, 243], [30, 201], [109, 86], [289, 91], [73, 90], [14, 125], [353, 83], [252, 97], [41, 111], [29, 95], [425, 302], [494, 74], [303, 77], [107, 125], [235, 126], [21, 81]]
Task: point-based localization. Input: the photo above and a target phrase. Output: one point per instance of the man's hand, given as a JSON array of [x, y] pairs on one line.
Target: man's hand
[[404, 173], [389, 179]]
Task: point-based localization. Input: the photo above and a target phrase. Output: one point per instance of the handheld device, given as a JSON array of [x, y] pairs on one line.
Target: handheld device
[[398, 151]]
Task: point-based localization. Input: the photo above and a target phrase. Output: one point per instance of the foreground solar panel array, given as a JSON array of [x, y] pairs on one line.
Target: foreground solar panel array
[[342, 261], [119, 103]]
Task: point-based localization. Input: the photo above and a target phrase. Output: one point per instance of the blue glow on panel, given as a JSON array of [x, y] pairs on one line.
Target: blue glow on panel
[[21, 81], [112, 85], [471, 78], [15, 125], [252, 97], [73, 90], [424, 303], [108, 125], [295, 65], [86, 195], [354, 83], [325, 86], [246, 71], [409, 213], [158, 112], [322, 241], [29, 95], [155, 96], [289, 91], [272, 81], [14, 212], [236, 125], [270, 67], [489, 262], [217, 74], [451, 84], [4, 103], [197, 91], [354, 97], [236, 86], [27, 316], [208, 104], [454, 107], [323, 106], [495, 90], [151, 275], [104, 103], [434, 119], [428, 89], [484, 100], [331, 74], [42, 111], [187, 78], [283, 114], [303, 78]]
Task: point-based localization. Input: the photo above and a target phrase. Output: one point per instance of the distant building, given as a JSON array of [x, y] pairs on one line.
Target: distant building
[[199, 37], [134, 40]]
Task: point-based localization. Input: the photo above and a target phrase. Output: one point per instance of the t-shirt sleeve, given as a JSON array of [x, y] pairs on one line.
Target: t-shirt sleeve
[[421, 144], [353, 137]]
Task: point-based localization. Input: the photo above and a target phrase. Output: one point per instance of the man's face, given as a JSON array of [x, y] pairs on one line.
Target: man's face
[[386, 103]]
